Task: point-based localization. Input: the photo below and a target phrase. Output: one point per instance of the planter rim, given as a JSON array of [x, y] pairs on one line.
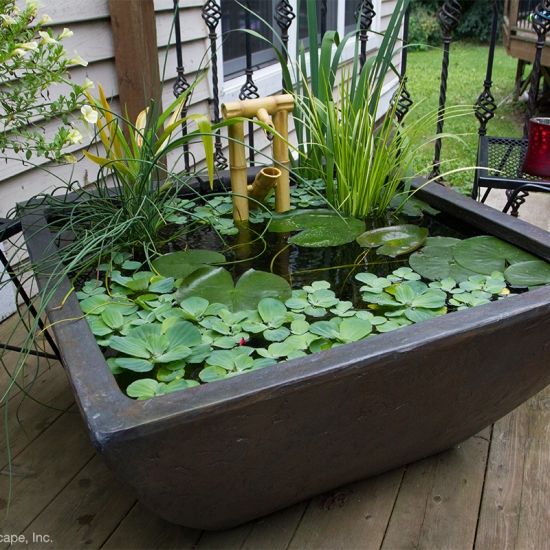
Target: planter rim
[[108, 411]]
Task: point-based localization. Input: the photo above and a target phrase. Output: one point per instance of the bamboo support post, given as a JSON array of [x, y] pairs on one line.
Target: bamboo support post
[[239, 171], [280, 155], [272, 111]]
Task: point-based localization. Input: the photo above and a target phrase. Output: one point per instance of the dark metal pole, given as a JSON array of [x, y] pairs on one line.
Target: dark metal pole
[[404, 101], [364, 15], [485, 105], [212, 13], [284, 16], [540, 20], [323, 18], [249, 90], [17, 283], [181, 85], [448, 18]]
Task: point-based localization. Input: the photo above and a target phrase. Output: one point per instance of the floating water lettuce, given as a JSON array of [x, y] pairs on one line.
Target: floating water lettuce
[[317, 228], [394, 240]]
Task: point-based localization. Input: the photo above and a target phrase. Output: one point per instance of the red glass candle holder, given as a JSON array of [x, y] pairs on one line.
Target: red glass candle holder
[[537, 159]]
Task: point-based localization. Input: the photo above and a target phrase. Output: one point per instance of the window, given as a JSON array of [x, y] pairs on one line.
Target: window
[[340, 16], [331, 21], [234, 51], [350, 24]]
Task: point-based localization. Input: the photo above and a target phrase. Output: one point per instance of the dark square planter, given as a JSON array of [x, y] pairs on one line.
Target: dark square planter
[[224, 453]]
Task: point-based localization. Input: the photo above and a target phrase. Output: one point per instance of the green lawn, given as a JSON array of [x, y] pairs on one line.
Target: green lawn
[[466, 76]]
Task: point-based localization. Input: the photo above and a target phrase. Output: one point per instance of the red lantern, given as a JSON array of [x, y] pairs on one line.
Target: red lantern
[[537, 159]]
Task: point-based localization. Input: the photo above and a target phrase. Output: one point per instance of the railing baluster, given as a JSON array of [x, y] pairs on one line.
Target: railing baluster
[[212, 13], [404, 101], [284, 16], [448, 18], [181, 84], [364, 14], [541, 25], [485, 105], [249, 90], [323, 18]]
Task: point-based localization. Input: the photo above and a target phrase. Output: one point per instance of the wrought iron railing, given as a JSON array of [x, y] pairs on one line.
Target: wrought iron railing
[[448, 17], [284, 17]]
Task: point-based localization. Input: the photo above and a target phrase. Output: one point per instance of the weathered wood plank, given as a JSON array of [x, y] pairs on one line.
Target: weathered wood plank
[[86, 511], [437, 505], [501, 503], [354, 516], [534, 520], [28, 418], [275, 531], [141, 528], [43, 469]]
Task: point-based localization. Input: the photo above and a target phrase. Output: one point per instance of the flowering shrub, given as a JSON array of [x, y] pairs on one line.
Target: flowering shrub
[[32, 59]]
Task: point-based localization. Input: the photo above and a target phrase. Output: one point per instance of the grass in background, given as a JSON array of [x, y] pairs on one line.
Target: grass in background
[[466, 76]]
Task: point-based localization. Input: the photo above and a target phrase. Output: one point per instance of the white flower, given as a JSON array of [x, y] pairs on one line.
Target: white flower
[[65, 33], [88, 84], [45, 19], [89, 114], [19, 52], [46, 38], [33, 45], [74, 136], [77, 60], [33, 6], [8, 20]]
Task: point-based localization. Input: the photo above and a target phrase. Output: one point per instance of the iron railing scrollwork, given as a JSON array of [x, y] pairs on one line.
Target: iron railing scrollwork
[[404, 98], [540, 20], [448, 18], [284, 15], [249, 90], [181, 85], [364, 15], [485, 106], [212, 14]]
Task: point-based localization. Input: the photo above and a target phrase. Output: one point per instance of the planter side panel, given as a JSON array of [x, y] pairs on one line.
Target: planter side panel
[[217, 470]]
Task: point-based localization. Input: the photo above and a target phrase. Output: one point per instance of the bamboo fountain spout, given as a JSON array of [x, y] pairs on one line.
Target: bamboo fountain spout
[[272, 111]]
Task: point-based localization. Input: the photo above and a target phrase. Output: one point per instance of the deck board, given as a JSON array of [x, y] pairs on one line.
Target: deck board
[[86, 512], [354, 516]]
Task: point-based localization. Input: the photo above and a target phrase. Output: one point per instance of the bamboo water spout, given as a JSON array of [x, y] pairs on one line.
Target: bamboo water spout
[[272, 111], [265, 181]]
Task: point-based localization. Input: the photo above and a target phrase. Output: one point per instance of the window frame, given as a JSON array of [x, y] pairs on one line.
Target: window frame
[[268, 79]]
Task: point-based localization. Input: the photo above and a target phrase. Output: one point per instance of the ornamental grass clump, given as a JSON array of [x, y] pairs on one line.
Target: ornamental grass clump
[[366, 163]]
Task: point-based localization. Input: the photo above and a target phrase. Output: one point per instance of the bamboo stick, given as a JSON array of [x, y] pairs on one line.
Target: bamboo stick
[[280, 156], [238, 170]]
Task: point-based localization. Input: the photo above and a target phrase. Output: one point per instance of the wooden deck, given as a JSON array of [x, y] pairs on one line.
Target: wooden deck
[[491, 492]]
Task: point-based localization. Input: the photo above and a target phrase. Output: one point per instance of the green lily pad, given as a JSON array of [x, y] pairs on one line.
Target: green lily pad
[[317, 228], [438, 263], [182, 264], [528, 274], [215, 284], [486, 254], [394, 240]]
